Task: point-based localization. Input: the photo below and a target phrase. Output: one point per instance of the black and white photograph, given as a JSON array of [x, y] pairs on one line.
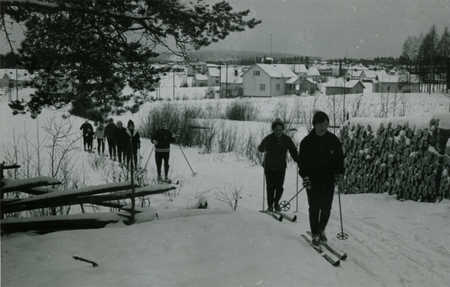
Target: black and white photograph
[[225, 143]]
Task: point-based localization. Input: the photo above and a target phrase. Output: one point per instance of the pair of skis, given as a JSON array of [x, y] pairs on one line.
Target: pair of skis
[[331, 254], [279, 216]]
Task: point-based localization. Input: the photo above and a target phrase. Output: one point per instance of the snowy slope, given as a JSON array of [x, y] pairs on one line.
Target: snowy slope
[[391, 243]]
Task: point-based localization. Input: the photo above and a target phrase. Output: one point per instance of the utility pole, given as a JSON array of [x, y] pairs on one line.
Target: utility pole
[[220, 81], [226, 79], [271, 55], [173, 86]]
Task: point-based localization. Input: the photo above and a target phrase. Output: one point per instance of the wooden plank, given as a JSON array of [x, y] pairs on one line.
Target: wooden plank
[[86, 196], [11, 185], [47, 224], [142, 191], [38, 190], [58, 197]]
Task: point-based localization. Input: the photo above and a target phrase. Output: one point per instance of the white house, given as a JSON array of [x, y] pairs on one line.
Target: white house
[[213, 75], [231, 81], [266, 80], [314, 74]]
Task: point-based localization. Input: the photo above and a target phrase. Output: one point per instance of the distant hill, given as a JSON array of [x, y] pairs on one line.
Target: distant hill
[[224, 55]]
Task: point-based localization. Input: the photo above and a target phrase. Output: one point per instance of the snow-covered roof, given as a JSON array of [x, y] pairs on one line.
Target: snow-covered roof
[[213, 71], [359, 67], [370, 74], [201, 77], [355, 73], [313, 71], [299, 68], [292, 80], [384, 77], [339, 83], [277, 70]]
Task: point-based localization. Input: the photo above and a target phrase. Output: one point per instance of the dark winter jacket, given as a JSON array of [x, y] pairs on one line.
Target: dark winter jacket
[[164, 138], [320, 157], [110, 131], [275, 151], [87, 129], [132, 139], [121, 137]]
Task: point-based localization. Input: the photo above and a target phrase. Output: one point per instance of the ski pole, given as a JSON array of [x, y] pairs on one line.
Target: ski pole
[[341, 235], [148, 158], [264, 191], [193, 172], [296, 188]]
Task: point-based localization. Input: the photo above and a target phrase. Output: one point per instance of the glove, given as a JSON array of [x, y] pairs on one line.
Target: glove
[[307, 183]]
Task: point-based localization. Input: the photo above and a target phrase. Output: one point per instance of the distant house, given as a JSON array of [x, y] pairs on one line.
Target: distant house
[[197, 67], [300, 70], [231, 81], [306, 85], [13, 77], [267, 80], [386, 83], [337, 86], [398, 83], [213, 75], [4, 81], [325, 70], [369, 76], [358, 75], [200, 80], [314, 74]]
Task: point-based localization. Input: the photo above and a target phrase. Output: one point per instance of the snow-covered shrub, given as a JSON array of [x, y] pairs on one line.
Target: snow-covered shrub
[[230, 197], [241, 110], [227, 139], [178, 119]]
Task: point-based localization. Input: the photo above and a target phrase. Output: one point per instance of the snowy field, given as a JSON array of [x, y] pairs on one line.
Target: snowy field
[[391, 243]]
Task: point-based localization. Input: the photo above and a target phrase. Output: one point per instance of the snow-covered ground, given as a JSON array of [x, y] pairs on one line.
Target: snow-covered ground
[[391, 243]]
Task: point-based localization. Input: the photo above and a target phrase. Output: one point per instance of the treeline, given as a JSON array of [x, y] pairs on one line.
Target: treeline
[[428, 56]]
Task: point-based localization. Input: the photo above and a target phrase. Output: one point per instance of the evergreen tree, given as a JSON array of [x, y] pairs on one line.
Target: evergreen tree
[[443, 47], [86, 52]]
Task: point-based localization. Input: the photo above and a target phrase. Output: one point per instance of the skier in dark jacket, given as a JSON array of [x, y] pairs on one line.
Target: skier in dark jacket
[[120, 137], [88, 133], [275, 147], [110, 132], [162, 139], [321, 163], [133, 144]]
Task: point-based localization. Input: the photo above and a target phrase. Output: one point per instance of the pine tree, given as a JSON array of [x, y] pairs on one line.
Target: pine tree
[[86, 52]]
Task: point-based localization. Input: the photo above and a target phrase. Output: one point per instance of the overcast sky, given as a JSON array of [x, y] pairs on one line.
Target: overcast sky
[[333, 28]]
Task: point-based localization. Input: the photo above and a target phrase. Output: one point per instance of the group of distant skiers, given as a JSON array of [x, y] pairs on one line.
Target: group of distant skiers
[[124, 143], [320, 161]]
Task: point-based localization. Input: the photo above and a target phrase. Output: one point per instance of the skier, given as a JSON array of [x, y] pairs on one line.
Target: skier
[[100, 135], [162, 139], [87, 131], [275, 146], [120, 138], [321, 164], [133, 144], [110, 131]]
